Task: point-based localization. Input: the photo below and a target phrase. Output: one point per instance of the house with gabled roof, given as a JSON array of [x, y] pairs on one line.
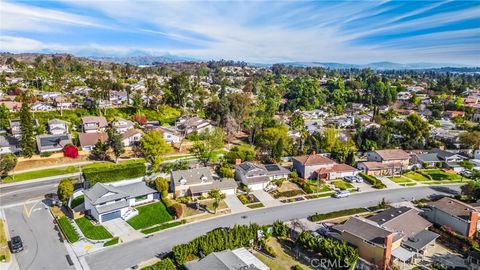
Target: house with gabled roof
[[94, 124], [316, 166], [52, 143], [199, 181], [57, 126], [105, 202], [258, 176], [385, 162]]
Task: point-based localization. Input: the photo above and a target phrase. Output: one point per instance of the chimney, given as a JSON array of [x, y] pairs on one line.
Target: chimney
[[472, 226], [238, 161], [314, 153], [388, 251], [441, 147]]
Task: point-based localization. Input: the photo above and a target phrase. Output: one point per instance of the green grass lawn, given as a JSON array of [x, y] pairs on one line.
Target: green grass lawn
[[94, 232], [39, 174], [149, 215], [343, 185], [439, 175], [77, 201], [255, 205], [400, 179], [318, 187], [68, 229], [416, 176], [112, 242], [161, 227]]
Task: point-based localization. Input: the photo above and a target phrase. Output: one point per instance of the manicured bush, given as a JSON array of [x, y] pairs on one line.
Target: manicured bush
[[375, 182], [165, 264], [243, 198], [68, 229], [70, 151], [216, 240], [336, 214], [110, 172]]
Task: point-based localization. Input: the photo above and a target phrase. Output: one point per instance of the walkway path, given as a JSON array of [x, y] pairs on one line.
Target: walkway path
[[235, 204], [119, 228]]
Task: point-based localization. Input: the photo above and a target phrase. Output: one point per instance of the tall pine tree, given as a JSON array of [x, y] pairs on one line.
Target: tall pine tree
[[27, 141]]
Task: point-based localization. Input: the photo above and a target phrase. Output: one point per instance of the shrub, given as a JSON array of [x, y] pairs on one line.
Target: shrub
[[375, 182], [46, 154], [288, 193], [243, 198], [226, 172], [293, 174], [280, 228], [176, 210], [279, 182], [165, 264], [70, 151], [184, 199], [111, 172], [268, 248]]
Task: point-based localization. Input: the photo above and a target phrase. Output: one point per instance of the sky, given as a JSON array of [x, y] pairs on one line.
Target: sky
[[356, 32]]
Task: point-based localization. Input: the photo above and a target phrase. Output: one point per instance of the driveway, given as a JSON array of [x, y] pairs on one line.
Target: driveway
[[43, 248], [266, 198], [235, 204], [389, 183], [121, 229]]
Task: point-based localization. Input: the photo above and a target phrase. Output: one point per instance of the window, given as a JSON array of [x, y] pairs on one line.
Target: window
[[140, 198]]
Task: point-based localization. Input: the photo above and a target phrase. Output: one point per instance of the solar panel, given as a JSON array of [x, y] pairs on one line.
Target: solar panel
[[51, 141], [272, 167]]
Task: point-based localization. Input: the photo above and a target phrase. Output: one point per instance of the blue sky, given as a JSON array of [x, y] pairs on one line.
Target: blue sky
[[256, 31]]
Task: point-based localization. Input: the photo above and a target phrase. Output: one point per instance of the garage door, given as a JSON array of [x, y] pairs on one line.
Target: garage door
[[110, 216]]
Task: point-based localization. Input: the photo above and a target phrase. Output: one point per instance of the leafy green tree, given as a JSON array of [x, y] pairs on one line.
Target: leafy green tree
[[217, 195], [471, 190], [204, 150], [267, 139], [304, 93], [4, 117], [277, 151], [152, 147], [115, 142], [27, 141], [100, 151], [242, 152], [137, 101], [65, 189], [470, 139], [7, 163]]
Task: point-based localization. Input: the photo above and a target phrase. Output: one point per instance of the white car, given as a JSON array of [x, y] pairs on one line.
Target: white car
[[341, 194]]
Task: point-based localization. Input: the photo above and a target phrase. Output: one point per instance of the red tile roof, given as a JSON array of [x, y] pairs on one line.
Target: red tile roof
[[313, 159]]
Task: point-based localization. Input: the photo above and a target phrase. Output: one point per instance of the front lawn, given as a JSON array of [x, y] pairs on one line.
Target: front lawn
[[149, 215], [162, 227], [111, 242], [400, 179], [68, 229], [4, 251], [39, 174], [441, 175], [94, 232], [416, 176], [255, 205], [343, 185]]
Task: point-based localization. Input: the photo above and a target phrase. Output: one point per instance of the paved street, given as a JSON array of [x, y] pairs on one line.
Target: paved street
[[43, 248], [17, 194], [126, 255]]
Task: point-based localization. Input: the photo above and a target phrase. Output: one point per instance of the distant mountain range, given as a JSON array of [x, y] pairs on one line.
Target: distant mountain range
[[375, 65], [144, 59]]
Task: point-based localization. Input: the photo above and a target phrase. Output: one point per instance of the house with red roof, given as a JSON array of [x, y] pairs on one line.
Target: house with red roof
[[316, 166]]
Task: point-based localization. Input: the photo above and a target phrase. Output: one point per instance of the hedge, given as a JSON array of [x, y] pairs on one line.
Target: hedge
[[335, 214], [110, 172], [375, 182], [216, 240], [165, 264]]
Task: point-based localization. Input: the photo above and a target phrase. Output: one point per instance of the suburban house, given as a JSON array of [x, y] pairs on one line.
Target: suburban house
[[41, 107], [188, 124], [239, 258], [105, 202], [122, 125], [57, 127], [53, 143], [63, 102], [396, 234], [459, 216], [15, 127], [9, 144], [171, 135], [439, 156], [316, 166], [196, 182], [131, 136], [88, 140], [385, 162], [94, 124], [258, 176]]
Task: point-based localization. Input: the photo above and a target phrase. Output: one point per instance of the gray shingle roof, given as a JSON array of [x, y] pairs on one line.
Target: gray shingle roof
[[430, 157], [226, 183], [192, 176], [136, 189], [364, 229], [420, 240], [97, 193], [223, 260], [112, 206]]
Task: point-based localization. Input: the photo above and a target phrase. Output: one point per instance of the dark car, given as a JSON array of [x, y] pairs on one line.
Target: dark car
[[16, 244], [53, 199]]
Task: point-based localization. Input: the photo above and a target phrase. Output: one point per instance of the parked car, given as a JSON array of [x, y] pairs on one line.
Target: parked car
[[358, 179], [16, 244], [350, 179], [466, 173], [341, 194], [53, 199]]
